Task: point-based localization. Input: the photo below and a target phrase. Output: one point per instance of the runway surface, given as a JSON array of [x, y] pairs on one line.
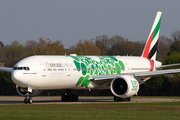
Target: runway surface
[[82, 100]]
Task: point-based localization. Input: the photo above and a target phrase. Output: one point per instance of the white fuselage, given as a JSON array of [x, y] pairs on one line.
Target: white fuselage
[[61, 72]]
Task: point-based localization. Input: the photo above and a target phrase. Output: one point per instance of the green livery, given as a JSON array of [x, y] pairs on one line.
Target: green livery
[[90, 67], [134, 85]]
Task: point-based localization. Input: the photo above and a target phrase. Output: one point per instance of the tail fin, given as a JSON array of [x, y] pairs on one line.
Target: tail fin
[[150, 48]]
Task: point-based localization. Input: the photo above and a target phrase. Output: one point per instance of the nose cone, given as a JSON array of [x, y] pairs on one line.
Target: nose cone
[[16, 77]]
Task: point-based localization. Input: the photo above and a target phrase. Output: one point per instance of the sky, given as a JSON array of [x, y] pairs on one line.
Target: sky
[[74, 20]]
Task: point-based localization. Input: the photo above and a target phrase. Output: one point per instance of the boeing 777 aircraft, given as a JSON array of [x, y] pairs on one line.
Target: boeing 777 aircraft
[[121, 74]]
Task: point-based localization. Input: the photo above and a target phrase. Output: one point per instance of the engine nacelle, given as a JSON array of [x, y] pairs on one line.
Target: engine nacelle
[[124, 86], [23, 92]]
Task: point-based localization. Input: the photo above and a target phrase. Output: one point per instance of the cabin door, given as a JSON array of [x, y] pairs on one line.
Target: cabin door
[[127, 67], [68, 71], [43, 70]]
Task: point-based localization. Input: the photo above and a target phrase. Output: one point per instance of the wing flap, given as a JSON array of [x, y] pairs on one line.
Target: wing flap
[[102, 79]]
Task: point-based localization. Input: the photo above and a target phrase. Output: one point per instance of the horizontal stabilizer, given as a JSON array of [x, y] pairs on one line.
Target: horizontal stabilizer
[[170, 65]]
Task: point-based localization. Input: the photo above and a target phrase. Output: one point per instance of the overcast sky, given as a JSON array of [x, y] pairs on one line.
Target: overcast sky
[[72, 20]]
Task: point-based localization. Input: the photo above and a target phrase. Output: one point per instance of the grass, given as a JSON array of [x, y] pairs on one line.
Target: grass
[[172, 97], [103, 111]]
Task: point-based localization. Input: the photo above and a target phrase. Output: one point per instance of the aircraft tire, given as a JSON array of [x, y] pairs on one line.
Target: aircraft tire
[[121, 99], [25, 100], [117, 99], [69, 98], [128, 99], [75, 97], [30, 100], [64, 98]]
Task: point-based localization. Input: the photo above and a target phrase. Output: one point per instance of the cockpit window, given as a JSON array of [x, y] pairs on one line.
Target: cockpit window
[[15, 68], [21, 68], [27, 68]]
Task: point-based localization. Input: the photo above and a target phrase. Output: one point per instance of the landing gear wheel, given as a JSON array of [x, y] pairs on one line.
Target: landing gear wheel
[[118, 99], [115, 99], [64, 98], [128, 99], [26, 100], [30, 101], [121, 99], [70, 98]]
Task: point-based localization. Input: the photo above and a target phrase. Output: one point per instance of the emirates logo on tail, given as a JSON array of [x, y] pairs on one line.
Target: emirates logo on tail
[[151, 44]]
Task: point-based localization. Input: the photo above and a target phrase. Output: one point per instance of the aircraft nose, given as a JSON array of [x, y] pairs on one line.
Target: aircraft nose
[[16, 77]]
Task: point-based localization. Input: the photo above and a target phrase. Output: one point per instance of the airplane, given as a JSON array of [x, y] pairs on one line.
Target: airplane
[[121, 74]]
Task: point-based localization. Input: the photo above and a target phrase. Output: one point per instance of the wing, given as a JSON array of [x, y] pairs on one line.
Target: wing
[[156, 73], [106, 79], [6, 69]]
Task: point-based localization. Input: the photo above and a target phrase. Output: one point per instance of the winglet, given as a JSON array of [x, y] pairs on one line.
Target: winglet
[[150, 48]]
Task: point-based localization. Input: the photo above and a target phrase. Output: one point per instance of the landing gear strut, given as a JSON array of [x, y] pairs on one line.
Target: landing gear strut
[[28, 99], [121, 99], [69, 96]]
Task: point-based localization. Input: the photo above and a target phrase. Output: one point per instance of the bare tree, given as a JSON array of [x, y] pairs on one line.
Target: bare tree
[[86, 47], [44, 47], [164, 45], [13, 53]]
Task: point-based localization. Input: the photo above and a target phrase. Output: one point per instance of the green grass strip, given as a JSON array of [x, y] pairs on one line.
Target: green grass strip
[[104, 111]]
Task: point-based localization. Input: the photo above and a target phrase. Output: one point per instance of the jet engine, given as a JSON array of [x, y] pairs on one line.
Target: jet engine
[[23, 92], [124, 86]]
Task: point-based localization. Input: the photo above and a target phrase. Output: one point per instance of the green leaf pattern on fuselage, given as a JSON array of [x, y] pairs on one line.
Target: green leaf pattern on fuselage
[[89, 67]]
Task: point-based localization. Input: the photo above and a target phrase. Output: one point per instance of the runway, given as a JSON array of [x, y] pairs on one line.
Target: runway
[[82, 100]]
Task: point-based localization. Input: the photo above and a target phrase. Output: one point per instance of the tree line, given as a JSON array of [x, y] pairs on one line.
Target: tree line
[[168, 52]]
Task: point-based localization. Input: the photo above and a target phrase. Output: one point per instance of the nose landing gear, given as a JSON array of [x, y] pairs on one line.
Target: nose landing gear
[[28, 99]]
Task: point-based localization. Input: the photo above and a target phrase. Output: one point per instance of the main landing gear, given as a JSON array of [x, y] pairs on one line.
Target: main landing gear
[[69, 96], [121, 99]]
